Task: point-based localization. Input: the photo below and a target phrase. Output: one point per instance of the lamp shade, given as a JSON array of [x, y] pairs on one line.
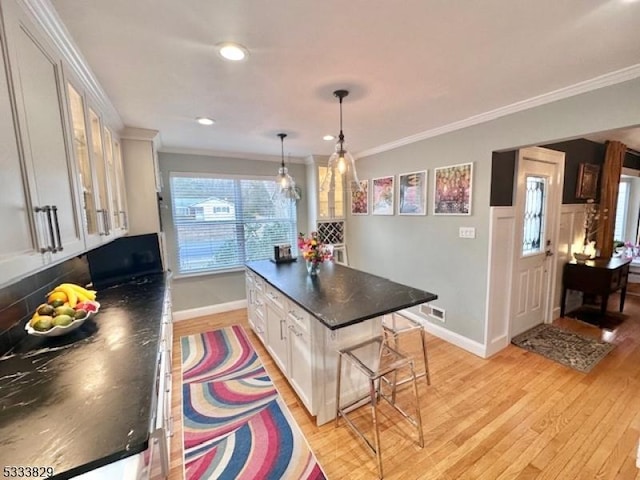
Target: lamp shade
[[286, 188], [341, 162]]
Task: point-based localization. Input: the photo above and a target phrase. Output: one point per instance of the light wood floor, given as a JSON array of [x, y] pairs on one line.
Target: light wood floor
[[516, 415]]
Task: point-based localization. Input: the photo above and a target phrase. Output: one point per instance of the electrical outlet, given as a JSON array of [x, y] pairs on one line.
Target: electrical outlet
[[467, 232]]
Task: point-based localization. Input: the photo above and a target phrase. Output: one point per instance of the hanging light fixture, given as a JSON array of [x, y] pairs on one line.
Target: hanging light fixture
[[286, 184], [341, 160]]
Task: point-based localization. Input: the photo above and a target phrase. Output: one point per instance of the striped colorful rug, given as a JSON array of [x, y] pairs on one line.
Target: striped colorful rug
[[235, 425]]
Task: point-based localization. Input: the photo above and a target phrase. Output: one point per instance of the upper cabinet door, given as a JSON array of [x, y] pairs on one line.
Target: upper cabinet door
[[121, 190], [85, 169], [330, 202], [19, 250], [39, 101], [97, 150]]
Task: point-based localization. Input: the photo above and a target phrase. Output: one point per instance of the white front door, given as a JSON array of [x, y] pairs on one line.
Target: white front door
[[538, 201]]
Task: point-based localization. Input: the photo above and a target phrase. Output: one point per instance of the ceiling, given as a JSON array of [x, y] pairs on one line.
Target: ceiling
[[411, 66]]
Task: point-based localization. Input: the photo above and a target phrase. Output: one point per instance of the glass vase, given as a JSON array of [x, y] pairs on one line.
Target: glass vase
[[312, 268]]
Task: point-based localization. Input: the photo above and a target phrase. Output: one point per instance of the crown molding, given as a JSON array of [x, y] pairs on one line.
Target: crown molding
[[47, 18], [241, 155], [605, 80]]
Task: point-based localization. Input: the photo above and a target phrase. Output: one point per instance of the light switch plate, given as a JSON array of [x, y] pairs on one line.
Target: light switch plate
[[467, 232]]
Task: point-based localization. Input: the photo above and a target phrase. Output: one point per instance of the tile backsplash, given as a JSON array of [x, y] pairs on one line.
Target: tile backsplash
[[19, 300]]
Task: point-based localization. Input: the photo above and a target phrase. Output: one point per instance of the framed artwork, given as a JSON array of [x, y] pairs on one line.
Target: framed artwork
[[587, 186], [382, 196], [412, 193], [452, 189], [360, 199]]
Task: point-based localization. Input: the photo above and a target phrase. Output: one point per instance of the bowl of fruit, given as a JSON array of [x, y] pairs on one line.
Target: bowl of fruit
[[68, 307]]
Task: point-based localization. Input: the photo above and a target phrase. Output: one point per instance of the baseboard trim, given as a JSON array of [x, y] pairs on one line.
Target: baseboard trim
[[497, 344], [208, 310], [454, 338]]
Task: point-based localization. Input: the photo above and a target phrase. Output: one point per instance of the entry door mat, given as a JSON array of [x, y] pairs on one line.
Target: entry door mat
[[568, 348], [235, 424]]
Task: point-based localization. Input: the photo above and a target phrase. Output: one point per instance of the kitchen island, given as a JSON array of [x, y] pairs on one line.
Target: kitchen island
[[303, 321], [73, 403]]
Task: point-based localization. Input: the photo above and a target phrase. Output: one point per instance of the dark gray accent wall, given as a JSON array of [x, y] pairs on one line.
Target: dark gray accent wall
[[503, 169], [503, 176]]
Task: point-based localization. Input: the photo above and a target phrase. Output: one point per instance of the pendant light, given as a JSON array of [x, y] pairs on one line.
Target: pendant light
[[286, 184], [341, 161]]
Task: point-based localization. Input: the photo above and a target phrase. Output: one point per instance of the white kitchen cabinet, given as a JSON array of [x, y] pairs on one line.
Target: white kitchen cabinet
[[85, 168], [19, 252], [120, 203], [300, 350], [142, 179], [116, 206], [331, 201], [256, 305], [49, 203], [276, 320], [98, 154]]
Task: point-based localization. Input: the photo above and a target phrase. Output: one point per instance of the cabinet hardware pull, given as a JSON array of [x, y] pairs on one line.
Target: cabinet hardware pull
[[107, 221], [47, 210], [43, 210], [104, 228], [168, 382], [124, 219], [282, 337], [55, 218]]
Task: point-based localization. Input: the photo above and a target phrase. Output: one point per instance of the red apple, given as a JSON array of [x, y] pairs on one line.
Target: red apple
[[88, 306]]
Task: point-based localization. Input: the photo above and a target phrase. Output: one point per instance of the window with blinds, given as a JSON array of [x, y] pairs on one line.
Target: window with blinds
[[221, 222], [619, 231]]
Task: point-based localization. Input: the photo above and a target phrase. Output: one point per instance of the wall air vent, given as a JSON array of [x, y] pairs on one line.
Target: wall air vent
[[433, 312]]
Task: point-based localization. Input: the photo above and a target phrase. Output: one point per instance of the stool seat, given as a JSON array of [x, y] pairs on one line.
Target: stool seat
[[375, 358], [397, 325]]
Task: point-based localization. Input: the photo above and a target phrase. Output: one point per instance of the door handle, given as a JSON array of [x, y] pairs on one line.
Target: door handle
[[47, 210], [548, 253], [54, 209], [48, 248]]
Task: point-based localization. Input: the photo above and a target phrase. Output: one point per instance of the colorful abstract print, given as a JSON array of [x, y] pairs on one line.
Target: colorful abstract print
[[235, 424]]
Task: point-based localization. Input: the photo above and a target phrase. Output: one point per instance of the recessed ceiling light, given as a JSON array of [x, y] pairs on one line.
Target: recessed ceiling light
[[328, 138], [232, 51], [205, 121]]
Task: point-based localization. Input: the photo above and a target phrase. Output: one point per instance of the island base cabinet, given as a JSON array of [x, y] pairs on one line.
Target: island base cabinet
[[304, 349], [301, 355], [353, 383], [277, 337]]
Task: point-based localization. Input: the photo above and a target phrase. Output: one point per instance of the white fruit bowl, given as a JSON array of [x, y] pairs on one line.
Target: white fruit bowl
[[58, 330]]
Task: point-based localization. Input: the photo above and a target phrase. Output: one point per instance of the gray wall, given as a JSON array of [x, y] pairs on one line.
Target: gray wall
[[206, 290], [425, 252]]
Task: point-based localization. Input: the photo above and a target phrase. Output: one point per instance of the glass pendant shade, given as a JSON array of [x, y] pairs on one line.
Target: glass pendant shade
[[286, 184], [341, 162]]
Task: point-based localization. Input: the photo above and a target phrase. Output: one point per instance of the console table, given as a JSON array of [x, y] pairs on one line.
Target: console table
[[596, 277]]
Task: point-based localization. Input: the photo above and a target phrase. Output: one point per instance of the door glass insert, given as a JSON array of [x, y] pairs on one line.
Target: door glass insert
[[534, 214], [76, 104]]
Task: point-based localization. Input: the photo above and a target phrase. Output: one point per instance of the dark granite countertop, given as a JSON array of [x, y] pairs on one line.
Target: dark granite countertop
[[339, 296], [83, 400]]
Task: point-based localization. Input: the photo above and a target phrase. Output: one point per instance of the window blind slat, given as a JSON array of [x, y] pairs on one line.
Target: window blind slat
[[220, 223]]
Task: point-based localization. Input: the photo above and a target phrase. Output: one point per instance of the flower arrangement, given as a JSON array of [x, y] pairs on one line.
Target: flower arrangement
[[591, 217], [312, 249]]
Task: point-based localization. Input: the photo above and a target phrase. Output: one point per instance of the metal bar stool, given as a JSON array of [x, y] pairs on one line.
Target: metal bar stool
[[375, 359], [398, 325]]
